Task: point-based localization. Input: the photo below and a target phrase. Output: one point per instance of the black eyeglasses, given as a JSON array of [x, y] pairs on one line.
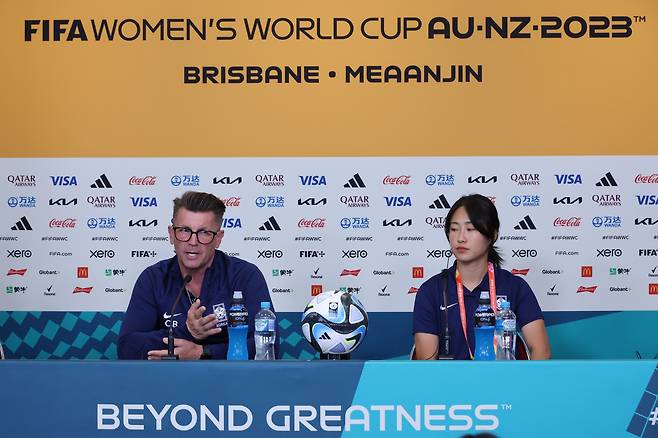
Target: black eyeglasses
[[184, 234]]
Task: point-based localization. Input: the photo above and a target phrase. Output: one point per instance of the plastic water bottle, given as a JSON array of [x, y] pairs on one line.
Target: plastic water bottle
[[265, 332], [237, 328], [485, 320], [505, 333]]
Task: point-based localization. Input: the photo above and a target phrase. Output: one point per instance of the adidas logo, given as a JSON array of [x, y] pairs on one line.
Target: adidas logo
[[325, 336], [355, 182], [22, 225], [441, 202], [270, 225], [101, 183], [607, 181], [525, 224]]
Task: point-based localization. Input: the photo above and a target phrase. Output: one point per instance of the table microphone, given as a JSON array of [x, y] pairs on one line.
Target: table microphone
[[170, 338]]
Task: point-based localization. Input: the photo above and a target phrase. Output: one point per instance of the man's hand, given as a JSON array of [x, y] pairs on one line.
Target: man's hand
[[185, 350], [201, 326]]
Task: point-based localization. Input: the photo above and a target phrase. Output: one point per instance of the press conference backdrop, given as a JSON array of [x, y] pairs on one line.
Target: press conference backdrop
[[547, 109]]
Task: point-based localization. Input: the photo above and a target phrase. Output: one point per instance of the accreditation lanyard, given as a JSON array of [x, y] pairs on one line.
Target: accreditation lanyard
[[460, 298]]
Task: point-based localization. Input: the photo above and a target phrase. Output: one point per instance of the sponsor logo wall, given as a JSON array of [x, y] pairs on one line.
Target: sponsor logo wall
[[582, 232]]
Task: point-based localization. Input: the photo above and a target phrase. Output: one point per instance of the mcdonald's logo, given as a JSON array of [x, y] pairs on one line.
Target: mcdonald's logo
[[83, 271], [316, 289], [585, 271], [417, 272], [653, 288]]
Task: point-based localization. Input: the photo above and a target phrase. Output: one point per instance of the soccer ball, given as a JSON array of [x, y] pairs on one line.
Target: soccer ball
[[335, 322]]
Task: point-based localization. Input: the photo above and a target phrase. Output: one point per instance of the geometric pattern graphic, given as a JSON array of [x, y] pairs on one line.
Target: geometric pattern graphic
[[60, 335], [93, 335], [644, 422]]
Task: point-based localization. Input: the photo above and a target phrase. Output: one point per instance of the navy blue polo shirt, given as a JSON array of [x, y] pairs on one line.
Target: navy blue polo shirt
[[145, 322], [428, 316]]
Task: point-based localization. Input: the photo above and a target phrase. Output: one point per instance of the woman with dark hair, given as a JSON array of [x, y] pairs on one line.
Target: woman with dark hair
[[472, 229]]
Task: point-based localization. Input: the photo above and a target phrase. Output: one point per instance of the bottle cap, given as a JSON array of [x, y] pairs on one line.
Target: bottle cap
[[237, 294], [265, 305], [484, 295], [505, 304]]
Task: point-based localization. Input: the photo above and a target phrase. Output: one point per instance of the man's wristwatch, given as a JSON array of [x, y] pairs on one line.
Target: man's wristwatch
[[207, 354]]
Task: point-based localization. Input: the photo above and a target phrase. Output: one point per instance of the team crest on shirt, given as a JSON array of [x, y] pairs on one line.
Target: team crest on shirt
[[220, 313]]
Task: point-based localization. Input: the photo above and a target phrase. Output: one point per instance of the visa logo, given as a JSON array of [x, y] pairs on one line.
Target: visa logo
[[313, 180], [398, 201], [64, 180], [144, 201], [231, 222], [569, 178], [647, 199]]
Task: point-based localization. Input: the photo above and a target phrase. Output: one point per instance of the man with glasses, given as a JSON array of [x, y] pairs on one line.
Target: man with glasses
[[200, 317]]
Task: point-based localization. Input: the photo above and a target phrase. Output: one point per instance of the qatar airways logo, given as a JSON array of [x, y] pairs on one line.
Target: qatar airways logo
[[142, 181], [402, 180], [573, 221], [646, 179], [311, 223], [62, 223], [233, 201]]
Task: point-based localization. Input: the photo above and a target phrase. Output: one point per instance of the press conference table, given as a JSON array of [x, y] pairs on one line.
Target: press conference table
[[328, 398]]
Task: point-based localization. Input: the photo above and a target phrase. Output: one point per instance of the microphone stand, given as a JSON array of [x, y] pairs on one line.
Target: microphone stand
[[170, 336]]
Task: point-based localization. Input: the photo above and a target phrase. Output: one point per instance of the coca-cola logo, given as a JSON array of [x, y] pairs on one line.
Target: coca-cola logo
[[397, 180], [646, 179], [62, 223], [312, 223], [145, 181], [567, 222], [233, 201]]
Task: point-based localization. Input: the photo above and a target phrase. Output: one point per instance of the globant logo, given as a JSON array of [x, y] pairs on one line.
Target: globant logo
[[525, 200], [606, 221], [22, 202], [105, 223], [185, 180], [270, 201], [440, 180], [355, 222]]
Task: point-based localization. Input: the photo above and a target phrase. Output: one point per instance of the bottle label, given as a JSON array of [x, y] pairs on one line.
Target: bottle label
[[264, 325], [237, 317], [509, 324]]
